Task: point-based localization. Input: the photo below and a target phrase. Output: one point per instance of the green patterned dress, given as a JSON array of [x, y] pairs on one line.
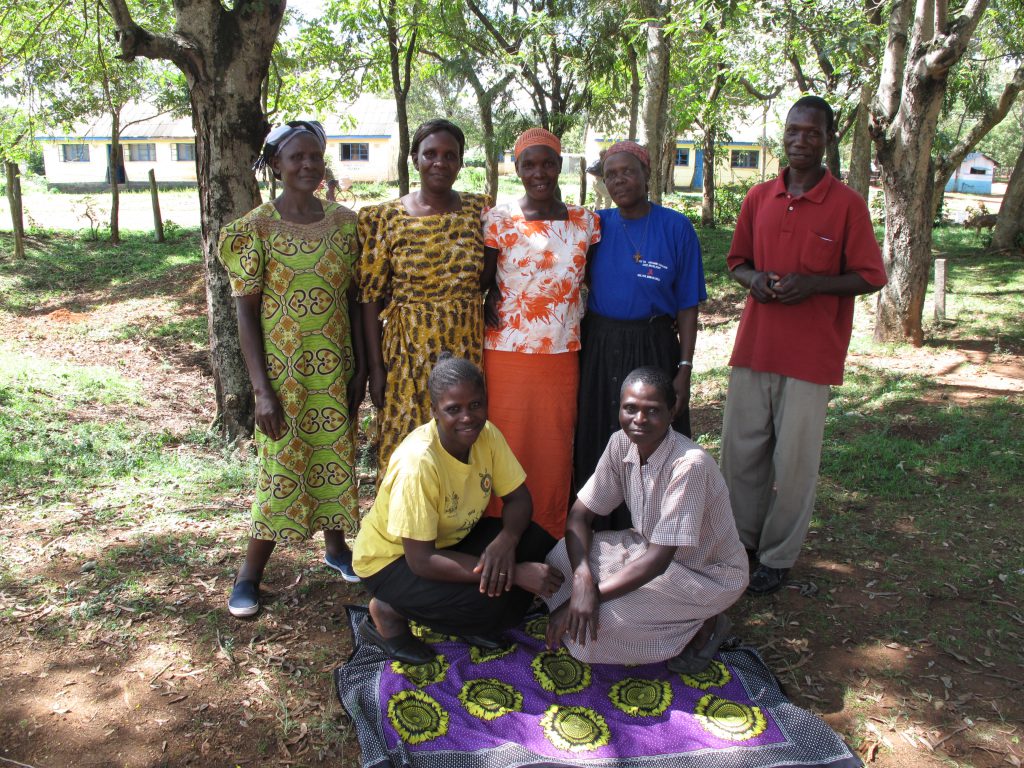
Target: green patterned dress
[[303, 271]]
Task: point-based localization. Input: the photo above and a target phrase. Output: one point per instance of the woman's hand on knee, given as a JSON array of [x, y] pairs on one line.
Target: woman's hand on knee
[[538, 578], [556, 626], [497, 565], [584, 603]]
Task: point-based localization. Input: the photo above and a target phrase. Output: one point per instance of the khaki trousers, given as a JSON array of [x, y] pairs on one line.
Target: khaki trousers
[[771, 450]]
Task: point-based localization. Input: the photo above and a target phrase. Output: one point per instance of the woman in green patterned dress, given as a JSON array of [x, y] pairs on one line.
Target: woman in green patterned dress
[[292, 266]]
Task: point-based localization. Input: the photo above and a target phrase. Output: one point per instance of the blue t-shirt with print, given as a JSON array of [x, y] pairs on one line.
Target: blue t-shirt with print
[[668, 277]]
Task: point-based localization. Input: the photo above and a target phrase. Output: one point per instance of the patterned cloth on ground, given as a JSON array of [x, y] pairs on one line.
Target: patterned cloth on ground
[[526, 706]]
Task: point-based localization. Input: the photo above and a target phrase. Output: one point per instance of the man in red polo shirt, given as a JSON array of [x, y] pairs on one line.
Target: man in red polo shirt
[[804, 247]]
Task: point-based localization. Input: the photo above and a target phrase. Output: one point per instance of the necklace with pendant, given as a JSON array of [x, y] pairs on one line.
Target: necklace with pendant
[[637, 252]]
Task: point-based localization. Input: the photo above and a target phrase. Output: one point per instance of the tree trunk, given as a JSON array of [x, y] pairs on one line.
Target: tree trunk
[[1010, 223], [668, 163], [859, 178], [400, 87], [490, 149], [485, 103], [225, 56], [114, 166], [634, 92], [832, 161], [707, 208], [910, 99], [907, 180], [656, 99], [14, 202]]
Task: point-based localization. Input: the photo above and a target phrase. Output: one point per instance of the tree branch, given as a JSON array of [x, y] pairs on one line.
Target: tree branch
[[136, 41], [945, 164], [760, 95], [798, 73]]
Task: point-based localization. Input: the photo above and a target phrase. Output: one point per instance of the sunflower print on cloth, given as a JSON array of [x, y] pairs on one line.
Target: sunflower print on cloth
[[302, 272], [540, 269], [731, 720], [575, 729], [427, 270], [417, 716]]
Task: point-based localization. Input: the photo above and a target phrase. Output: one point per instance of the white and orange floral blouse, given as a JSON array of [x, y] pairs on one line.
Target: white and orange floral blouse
[[540, 269]]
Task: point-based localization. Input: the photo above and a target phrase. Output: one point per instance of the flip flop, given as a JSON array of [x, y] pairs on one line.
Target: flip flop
[[404, 648], [691, 662]]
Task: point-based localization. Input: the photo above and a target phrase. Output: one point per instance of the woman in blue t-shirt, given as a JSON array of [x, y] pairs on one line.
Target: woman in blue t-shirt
[[646, 279]]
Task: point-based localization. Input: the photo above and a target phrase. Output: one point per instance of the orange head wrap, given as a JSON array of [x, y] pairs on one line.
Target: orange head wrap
[[533, 137], [632, 148]]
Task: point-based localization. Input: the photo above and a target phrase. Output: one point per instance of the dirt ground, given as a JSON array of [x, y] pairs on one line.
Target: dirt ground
[[175, 681]]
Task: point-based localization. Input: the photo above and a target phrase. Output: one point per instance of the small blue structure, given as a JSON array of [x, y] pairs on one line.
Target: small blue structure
[[974, 175]]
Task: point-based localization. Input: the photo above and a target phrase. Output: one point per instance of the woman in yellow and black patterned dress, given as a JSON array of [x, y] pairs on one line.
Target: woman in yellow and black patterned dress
[[421, 272], [292, 267]]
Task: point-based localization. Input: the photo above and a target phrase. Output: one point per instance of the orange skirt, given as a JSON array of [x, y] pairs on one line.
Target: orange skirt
[[532, 400]]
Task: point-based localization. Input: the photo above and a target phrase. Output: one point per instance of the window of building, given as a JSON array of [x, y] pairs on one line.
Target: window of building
[[976, 171], [183, 151], [141, 153], [358, 152], [74, 153], [682, 155], [745, 158]]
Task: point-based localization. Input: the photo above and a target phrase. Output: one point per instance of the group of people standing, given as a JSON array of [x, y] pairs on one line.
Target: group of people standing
[[531, 446]]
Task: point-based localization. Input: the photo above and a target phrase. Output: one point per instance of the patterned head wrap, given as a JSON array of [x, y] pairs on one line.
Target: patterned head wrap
[[533, 137], [632, 148], [283, 134]]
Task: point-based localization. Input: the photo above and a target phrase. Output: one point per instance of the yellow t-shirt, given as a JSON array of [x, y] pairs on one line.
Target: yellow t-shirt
[[429, 495]]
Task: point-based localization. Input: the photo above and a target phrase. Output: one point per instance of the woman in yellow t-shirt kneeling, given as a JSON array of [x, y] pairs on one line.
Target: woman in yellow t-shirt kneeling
[[426, 552]]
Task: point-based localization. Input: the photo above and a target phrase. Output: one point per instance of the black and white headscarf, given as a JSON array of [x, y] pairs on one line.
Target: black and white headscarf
[[277, 138]]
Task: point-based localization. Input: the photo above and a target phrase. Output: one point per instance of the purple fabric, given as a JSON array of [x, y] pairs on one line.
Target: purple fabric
[[371, 688]]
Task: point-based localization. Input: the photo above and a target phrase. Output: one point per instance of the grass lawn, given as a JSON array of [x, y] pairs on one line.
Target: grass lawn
[[124, 520]]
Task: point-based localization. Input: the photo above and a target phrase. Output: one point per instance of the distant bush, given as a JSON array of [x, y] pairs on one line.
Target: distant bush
[[729, 198]]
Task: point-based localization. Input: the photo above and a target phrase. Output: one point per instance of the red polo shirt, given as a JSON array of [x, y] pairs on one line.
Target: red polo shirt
[[826, 231]]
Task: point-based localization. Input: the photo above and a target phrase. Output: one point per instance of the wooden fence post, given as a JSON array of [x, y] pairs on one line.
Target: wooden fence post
[[940, 290], [17, 215], [158, 223]]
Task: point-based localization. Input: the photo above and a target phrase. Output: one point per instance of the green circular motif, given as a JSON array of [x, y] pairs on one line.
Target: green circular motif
[[575, 729], [558, 672], [537, 628], [421, 675], [641, 698], [417, 717], [426, 634], [729, 720], [480, 655], [715, 676], [489, 699]]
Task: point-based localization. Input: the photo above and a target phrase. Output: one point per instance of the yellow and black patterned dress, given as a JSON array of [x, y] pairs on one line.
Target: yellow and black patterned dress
[[306, 479], [429, 267]]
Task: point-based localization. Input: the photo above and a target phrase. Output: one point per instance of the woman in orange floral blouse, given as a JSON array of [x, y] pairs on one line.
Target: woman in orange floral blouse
[[531, 344]]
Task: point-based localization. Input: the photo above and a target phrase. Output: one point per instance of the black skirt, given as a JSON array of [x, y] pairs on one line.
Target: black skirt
[[611, 350]]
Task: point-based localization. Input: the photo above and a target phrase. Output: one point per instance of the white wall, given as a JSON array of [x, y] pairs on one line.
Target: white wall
[[95, 171]]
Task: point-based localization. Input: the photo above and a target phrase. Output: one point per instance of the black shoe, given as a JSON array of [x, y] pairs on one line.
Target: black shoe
[[404, 648], [765, 580], [486, 642]]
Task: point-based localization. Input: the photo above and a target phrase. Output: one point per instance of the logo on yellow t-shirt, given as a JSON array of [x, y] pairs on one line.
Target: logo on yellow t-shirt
[[485, 482]]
